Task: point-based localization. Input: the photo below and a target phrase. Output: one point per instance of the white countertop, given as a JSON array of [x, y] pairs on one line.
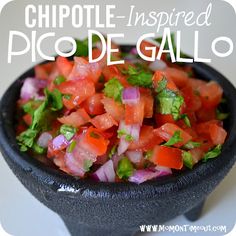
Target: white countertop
[[20, 213]]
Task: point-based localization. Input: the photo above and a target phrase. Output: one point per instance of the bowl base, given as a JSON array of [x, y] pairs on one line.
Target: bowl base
[[77, 229], [195, 213]]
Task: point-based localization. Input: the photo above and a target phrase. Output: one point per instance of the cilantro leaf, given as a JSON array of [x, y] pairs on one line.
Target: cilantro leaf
[[38, 114], [122, 132], [31, 106], [177, 103], [87, 164], [54, 99], [113, 151], [59, 79], [148, 154], [26, 139], [113, 89], [215, 152], [68, 131], [38, 149], [40, 119], [169, 103], [176, 138], [94, 135], [82, 46], [188, 159], [71, 146], [191, 145], [186, 120], [138, 77], [161, 85], [221, 116], [125, 168]]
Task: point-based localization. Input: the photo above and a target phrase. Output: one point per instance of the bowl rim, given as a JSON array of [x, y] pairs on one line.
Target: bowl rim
[[66, 184]]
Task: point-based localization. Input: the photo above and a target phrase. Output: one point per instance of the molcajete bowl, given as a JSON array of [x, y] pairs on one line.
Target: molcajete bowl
[[92, 208]]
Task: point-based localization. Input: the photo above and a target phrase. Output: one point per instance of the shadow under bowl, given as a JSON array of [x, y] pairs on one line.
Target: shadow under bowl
[[95, 208]]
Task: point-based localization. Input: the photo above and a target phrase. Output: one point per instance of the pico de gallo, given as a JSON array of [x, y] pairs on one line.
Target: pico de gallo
[[134, 122]]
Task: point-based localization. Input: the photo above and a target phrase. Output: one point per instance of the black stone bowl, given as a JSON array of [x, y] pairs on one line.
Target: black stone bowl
[[91, 208]]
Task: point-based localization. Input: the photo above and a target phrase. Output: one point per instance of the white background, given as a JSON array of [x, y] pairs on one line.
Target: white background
[[20, 213]]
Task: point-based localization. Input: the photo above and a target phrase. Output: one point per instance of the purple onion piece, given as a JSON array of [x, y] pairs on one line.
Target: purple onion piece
[[106, 172], [43, 139], [31, 88], [134, 156], [131, 95], [141, 176], [60, 142]]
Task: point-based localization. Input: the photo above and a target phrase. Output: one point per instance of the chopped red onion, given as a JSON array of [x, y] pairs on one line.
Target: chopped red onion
[[116, 158], [134, 156], [141, 176], [130, 95], [77, 160], [31, 88], [163, 170], [132, 130], [157, 65], [106, 172], [135, 131], [43, 139], [72, 166], [134, 51], [60, 142], [123, 146]]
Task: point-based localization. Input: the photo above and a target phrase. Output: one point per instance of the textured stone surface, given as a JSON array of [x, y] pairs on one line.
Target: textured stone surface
[[116, 208]]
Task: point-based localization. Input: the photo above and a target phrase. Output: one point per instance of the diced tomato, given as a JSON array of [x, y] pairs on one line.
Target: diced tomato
[[147, 140], [167, 131], [192, 100], [20, 128], [134, 113], [79, 89], [195, 84], [76, 119], [168, 157], [82, 69], [43, 71], [197, 154], [159, 76], [112, 71], [179, 77], [64, 66], [96, 53], [40, 73], [191, 132], [93, 105], [103, 122], [115, 54], [162, 119], [218, 134], [95, 142], [70, 103], [27, 119], [211, 94], [147, 98], [148, 52], [206, 145], [59, 160], [204, 114], [115, 109], [203, 129]]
